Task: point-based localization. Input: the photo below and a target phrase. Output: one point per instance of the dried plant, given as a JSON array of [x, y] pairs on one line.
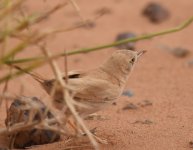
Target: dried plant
[[15, 24]]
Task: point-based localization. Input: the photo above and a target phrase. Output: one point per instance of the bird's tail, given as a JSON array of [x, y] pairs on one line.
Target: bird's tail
[[34, 75]]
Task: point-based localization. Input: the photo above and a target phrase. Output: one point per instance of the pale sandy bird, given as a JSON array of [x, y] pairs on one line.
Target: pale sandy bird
[[99, 87]]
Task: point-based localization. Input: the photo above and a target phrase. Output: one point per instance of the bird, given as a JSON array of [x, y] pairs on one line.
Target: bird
[[96, 88]]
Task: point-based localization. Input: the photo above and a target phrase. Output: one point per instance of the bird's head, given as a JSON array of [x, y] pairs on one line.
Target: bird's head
[[123, 60]]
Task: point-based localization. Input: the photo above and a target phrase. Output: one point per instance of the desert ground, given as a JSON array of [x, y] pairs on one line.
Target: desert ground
[[161, 112]]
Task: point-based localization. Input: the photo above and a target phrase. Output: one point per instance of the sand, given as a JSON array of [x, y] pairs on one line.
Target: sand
[[159, 77]]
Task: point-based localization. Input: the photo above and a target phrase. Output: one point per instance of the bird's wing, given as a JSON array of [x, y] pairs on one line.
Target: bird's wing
[[48, 84], [95, 90], [72, 74]]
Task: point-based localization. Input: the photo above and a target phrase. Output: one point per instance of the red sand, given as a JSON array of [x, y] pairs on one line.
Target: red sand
[[159, 77]]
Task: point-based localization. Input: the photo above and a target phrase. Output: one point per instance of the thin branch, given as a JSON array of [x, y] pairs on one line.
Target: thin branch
[[86, 50], [80, 120], [18, 73], [77, 9], [67, 98], [66, 67], [50, 12], [142, 37], [22, 125], [10, 9], [48, 32], [17, 49], [30, 20]]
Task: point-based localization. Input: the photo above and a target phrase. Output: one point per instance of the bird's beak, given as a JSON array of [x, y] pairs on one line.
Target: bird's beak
[[140, 53]]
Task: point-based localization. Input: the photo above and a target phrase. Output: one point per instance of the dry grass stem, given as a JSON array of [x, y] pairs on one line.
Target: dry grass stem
[[68, 99], [77, 9], [10, 8], [18, 32]]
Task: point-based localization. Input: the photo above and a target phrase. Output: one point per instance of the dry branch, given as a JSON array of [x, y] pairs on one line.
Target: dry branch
[[100, 47]]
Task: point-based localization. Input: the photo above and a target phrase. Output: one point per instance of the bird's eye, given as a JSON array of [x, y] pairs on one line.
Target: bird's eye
[[133, 60]]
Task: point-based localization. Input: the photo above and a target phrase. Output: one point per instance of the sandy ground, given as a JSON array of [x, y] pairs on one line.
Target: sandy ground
[[159, 77]]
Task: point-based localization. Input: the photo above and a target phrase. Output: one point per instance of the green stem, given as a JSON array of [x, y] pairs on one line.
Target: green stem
[[86, 50], [14, 51], [142, 37], [18, 73]]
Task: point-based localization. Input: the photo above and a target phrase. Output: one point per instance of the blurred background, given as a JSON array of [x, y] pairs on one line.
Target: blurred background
[[163, 76]]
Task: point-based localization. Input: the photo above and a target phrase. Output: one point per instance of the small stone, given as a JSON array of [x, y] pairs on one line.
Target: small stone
[[130, 106], [114, 103], [103, 11], [95, 117], [90, 24], [143, 122], [19, 112], [155, 12], [147, 122], [190, 63], [86, 24], [3, 148], [180, 52], [176, 51], [191, 144], [128, 93], [123, 36], [145, 103]]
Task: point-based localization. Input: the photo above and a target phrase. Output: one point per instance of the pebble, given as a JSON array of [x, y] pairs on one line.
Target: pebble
[[19, 112], [130, 106], [128, 45], [155, 12], [128, 93]]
